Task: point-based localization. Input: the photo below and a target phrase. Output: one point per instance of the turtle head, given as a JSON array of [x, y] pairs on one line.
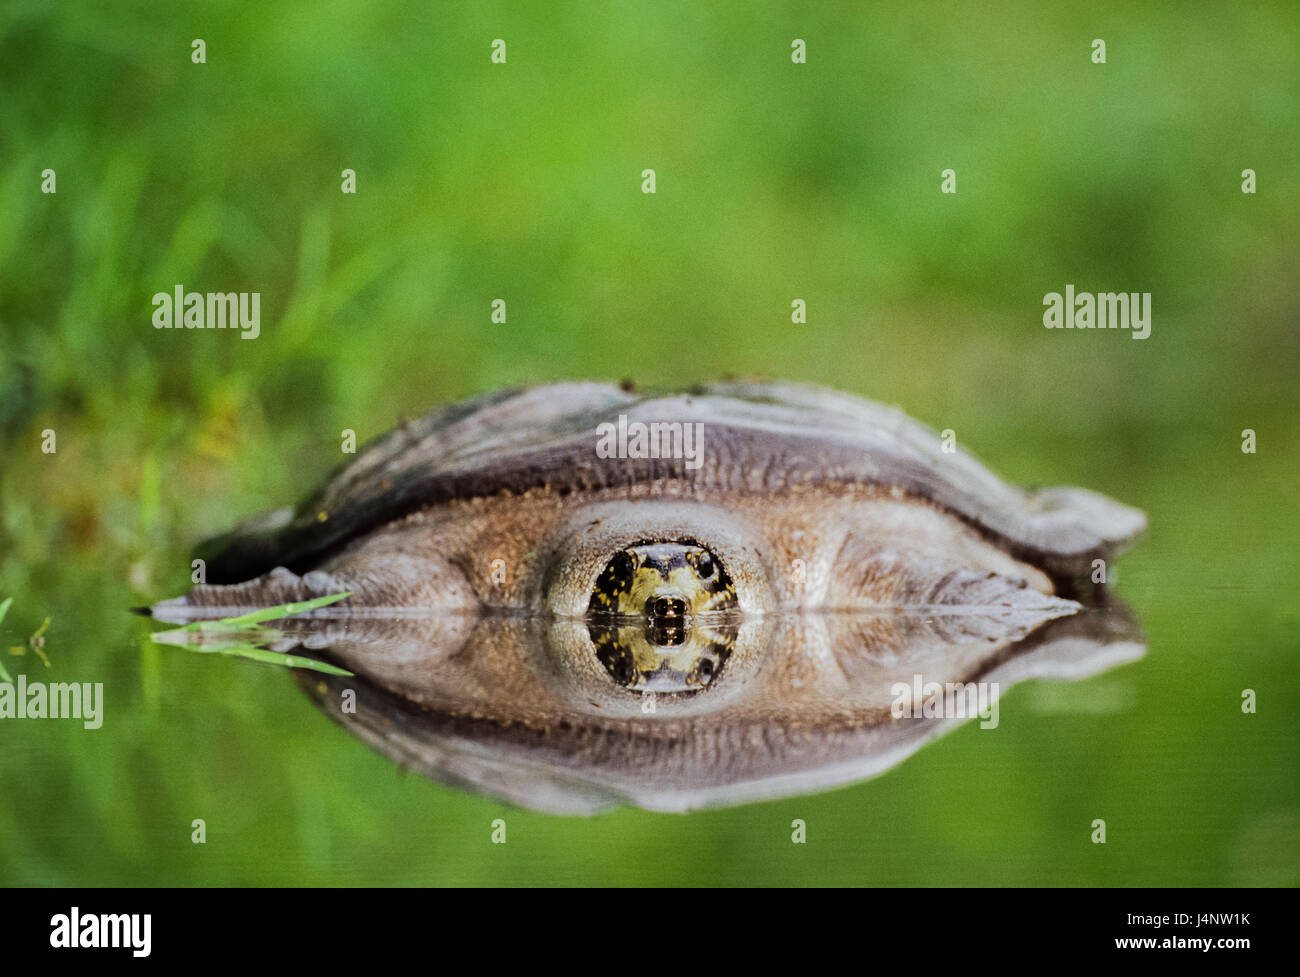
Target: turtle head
[[649, 616], [668, 583]]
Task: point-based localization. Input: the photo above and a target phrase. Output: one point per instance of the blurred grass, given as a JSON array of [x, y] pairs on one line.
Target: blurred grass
[[521, 181]]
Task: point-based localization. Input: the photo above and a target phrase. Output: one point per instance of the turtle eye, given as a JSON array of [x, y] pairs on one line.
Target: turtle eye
[[705, 566], [621, 568]]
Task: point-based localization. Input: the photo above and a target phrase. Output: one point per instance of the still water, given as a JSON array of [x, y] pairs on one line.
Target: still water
[[1156, 744]]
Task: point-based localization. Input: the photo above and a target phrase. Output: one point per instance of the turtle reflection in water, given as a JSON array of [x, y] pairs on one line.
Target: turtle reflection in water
[[569, 631]]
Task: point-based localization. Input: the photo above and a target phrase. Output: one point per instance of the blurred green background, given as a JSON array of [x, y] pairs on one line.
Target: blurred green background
[[522, 181]]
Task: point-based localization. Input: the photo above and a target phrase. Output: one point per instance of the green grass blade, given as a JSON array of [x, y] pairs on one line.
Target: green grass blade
[[234, 636], [252, 619], [290, 661], [285, 610]]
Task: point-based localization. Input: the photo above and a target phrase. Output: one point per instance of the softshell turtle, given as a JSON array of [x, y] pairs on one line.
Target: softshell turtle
[[577, 551]]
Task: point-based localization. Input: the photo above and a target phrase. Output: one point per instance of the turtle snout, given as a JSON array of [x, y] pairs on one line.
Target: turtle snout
[[664, 606]]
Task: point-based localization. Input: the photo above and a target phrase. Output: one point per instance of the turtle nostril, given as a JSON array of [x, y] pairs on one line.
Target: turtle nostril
[[669, 607], [666, 634]]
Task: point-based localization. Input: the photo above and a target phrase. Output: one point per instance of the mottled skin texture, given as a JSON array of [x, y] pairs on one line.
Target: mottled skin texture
[[482, 548], [858, 548]]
